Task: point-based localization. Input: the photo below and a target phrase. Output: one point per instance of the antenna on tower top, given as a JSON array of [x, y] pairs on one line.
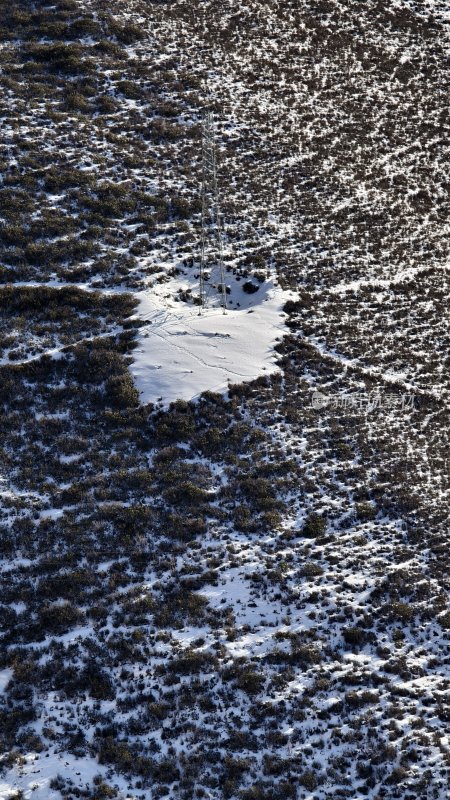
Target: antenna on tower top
[[212, 271]]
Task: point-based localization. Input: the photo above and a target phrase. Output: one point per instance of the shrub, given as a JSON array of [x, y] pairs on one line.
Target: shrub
[[259, 276], [444, 620], [60, 57], [186, 493], [253, 793], [114, 752], [184, 527], [126, 34], [129, 89], [366, 511], [309, 780], [355, 636], [98, 682], [74, 101], [311, 570], [271, 520], [180, 208], [244, 520], [192, 662], [179, 606], [401, 611], [235, 768], [315, 525], [250, 681], [398, 775], [106, 104], [158, 711], [83, 27], [65, 584], [121, 392], [58, 618], [292, 306], [175, 427], [356, 699], [260, 492], [305, 654]]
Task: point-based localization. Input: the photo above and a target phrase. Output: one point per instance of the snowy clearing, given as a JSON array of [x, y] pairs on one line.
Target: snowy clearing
[[34, 775], [181, 354]]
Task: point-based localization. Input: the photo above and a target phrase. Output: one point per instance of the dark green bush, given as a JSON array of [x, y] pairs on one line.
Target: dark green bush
[[357, 699], [192, 662], [60, 57], [98, 682], [250, 681], [305, 654], [315, 525], [184, 527], [187, 493], [58, 618], [121, 391], [355, 636], [308, 779], [126, 34], [311, 570], [366, 511], [444, 620], [84, 27], [249, 287]]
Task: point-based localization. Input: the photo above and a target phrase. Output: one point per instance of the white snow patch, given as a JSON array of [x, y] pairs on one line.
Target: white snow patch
[[34, 774], [5, 677], [181, 354]]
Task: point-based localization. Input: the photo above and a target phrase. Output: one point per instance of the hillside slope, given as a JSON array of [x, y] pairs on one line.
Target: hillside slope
[[245, 596]]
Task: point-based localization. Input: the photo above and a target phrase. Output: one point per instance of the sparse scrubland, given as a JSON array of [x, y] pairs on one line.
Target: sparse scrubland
[[243, 597]]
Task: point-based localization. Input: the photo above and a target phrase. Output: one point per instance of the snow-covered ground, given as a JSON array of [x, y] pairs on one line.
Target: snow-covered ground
[[182, 353], [304, 656], [35, 773]]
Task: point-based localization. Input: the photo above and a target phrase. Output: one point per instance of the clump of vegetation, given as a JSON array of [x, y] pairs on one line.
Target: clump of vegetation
[[314, 526]]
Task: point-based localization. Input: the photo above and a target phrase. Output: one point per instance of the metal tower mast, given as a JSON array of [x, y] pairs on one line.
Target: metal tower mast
[[212, 271]]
